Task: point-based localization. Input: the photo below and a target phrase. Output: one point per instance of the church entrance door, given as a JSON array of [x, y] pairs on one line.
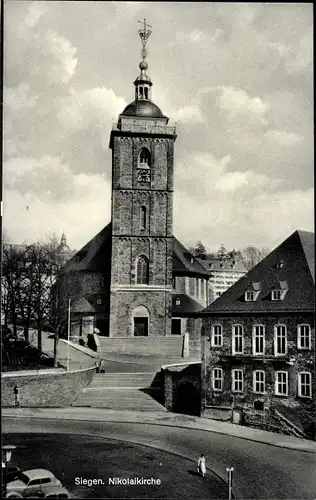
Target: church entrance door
[[140, 327], [175, 326]]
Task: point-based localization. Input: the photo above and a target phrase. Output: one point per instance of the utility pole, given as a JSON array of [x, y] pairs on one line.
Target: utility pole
[[230, 481], [68, 357]]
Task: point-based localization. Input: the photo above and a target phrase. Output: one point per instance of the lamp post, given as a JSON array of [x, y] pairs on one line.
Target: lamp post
[[230, 481], [68, 357], [6, 457]]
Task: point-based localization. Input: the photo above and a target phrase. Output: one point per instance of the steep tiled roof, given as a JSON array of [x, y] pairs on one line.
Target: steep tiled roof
[[183, 304], [308, 245], [184, 263], [96, 256], [290, 265]]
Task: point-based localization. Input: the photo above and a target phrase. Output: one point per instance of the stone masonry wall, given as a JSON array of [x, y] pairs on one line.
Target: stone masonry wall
[[45, 390], [172, 379], [129, 240], [294, 362], [156, 302]]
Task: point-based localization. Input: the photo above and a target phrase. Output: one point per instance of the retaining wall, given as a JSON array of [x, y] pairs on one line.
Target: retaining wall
[[45, 390]]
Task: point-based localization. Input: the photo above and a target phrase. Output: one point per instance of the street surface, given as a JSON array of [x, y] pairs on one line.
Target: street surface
[[262, 471], [74, 459]]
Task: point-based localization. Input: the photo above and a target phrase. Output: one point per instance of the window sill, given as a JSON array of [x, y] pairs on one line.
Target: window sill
[[304, 397], [281, 395]]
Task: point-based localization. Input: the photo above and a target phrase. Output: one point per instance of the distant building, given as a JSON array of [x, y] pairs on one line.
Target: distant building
[[258, 343], [64, 251], [222, 275]]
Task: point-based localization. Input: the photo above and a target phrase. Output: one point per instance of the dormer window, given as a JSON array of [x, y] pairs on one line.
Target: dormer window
[[280, 264], [249, 296], [253, 291], [276, 295], [280, 291]]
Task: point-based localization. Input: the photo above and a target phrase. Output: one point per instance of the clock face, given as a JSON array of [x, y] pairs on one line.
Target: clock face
[[143, 175]]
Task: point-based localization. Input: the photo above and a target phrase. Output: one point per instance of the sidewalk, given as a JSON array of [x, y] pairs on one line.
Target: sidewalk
[[77, 359], [164, 419]]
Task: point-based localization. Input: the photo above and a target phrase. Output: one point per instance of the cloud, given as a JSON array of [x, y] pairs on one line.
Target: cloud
[[236, 78], [188, 114], [81, 216], [236, 102], [81, 110], [283, 138]]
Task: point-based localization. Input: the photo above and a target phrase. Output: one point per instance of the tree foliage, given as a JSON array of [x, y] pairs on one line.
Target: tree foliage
[[28, 276], [249, 256]]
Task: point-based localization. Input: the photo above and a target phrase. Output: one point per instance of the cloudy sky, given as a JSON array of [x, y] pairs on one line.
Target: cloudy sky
[[236, 77]]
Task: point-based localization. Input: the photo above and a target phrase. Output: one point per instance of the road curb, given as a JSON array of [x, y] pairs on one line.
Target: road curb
[[219, 476], [157, 423]]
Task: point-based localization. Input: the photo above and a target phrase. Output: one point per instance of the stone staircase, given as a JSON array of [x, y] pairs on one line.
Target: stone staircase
[[123, 391]]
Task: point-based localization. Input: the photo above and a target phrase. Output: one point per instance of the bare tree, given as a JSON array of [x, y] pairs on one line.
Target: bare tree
[[251, 256]]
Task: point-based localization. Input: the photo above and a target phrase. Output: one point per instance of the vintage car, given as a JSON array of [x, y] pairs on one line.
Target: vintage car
[[41, 479]]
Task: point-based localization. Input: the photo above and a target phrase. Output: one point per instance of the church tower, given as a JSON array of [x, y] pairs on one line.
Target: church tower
[[142, 146]]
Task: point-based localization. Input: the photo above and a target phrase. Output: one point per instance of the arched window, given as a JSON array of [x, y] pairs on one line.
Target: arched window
[[146, 92], [143, 217], [144, 157], [142, 271]]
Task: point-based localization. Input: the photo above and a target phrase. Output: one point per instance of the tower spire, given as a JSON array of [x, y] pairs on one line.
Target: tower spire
[[144, 34], [143, 83]]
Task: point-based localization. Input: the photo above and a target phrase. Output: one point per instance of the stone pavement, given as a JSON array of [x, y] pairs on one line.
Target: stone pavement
[[164, 419]]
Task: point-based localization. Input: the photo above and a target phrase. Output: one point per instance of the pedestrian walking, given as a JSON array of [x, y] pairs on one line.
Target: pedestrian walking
[[16, 396], [201, 465]]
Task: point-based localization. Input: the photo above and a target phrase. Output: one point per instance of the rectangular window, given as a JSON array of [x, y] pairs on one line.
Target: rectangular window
[[304, 337], [217, 380], [202, 289], [217, 336], [238, 339], [191, 287], [305, 385], [249, 296], [281, 383], [259, 381], [237, 381], [280, 340], [143, 217], [258, 340], [197, 288], [276, 295]]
